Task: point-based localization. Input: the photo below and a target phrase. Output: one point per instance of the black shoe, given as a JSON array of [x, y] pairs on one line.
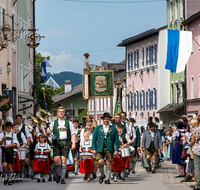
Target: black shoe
[[153, 172], [75, 173], [123, 179], [67, 175], [54, 178], [133, 172], [38, 180], [107, 181], [32, 177], [9, 182], [63, 181], [58, 179], [5, 182], [17, 180], [13, 181], [101, 179], [178, 176], [43, 180], [89, 180], [50, 179], [148, 170], [94, 176]]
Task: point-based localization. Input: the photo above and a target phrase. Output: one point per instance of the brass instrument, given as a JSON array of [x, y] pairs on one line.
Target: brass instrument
[[40, 119], [29, 126], [44, 114], [35, 122]]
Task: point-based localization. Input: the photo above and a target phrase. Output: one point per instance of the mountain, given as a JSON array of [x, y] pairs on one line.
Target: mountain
[[60, 78]]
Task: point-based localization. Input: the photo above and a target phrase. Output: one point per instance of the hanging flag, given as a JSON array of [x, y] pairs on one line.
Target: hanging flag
[[178, 50], [118, 103], [44, 65]]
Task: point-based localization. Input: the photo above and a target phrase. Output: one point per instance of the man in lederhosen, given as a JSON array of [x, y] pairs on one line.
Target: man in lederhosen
[[63, 134], [105, 140]]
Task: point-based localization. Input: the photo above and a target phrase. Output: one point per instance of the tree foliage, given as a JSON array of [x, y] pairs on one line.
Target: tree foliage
[[59, 90], [84, 113]]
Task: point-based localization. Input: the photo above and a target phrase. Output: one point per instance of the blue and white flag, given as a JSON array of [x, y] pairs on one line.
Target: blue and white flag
[[178, 50], [44, 70]]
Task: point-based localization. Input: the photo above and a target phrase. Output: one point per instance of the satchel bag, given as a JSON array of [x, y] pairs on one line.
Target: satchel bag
[[184, 154], [188, 151]]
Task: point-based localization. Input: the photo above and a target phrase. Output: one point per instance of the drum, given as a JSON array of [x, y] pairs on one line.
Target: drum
[[132, 149], [41, 157], [22, 154], [125, 152], [27, 149], [51, 154], [86, 155]]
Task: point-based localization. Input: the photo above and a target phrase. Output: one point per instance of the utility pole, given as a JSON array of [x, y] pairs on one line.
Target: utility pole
[[34, 61]]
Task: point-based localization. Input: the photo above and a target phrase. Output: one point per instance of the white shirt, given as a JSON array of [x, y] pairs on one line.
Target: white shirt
[[26, 130], [86, 144], [126, 137], [47, 146], [23, 141], [61, 125], [82, 137], [105, 128], [128, 130], [76, 131], [133, 132], [9, 142], [152, 135]]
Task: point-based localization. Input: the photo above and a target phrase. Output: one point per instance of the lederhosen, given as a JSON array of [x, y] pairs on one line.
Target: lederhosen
[[152, 148], [61, 147], [75, 153], [51, 145], [8, 153]]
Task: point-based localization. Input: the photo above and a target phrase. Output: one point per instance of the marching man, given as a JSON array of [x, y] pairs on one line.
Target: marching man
[[63, 134], [105, 138]]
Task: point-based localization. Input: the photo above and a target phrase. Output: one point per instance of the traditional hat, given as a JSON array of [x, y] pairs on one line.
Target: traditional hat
[[132, 120], [106, 114], [151, 124], [8, 124]]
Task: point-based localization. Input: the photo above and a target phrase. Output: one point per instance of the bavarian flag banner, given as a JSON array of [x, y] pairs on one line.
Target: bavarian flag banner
[[101, 83]]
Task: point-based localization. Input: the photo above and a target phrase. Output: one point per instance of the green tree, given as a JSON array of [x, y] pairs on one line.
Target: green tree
[[84, 113], [59, 90]]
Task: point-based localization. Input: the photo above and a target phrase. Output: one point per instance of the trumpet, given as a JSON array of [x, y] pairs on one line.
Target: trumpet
[[29, 126]]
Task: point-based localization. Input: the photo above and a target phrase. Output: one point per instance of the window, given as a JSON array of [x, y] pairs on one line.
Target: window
[[155, 98], [171, 11], [18, 76], [92, 104], [23, 34], [20, 24], [137, 100], [13, 25], [147, 100], [150, 55], [141, 102], [143, 96], [4, 19], [192, 41], [182, 9], [105, 105], [155, 53], [172, 89], [69, 112], [54, 113], [143, 56], [150, 99], [147, 55], [131, 60], [136, 58], [109, 102], [192, 87], [176, 9], [177, 93], [22, 80], [101, 104], [128, 61], [80, 111], [89, 105], [97, 104], [129, 97], [25, 80]]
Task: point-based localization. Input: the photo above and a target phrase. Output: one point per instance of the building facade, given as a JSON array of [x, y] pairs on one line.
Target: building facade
[[25, 59], [145, 74]]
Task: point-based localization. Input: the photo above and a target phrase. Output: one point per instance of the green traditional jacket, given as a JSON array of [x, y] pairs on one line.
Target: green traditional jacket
[[137, 140], [112, 139]]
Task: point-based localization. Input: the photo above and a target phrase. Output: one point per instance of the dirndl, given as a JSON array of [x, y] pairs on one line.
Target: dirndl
[[16, 164], [87, 166], [127, 164], [117, 164], [177, 154]]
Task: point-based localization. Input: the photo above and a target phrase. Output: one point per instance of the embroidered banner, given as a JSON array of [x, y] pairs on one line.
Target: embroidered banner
[[101, 83]]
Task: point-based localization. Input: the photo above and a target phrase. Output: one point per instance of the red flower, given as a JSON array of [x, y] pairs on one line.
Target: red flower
[[86, 55]]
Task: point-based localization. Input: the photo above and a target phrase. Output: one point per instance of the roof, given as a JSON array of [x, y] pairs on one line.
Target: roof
[[171, 108], [52, 82], [63, 96], [192, 18], [114, 66], [141, 36], [120, 75]]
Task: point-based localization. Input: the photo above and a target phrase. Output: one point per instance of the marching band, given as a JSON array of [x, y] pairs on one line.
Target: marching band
[[33, 148]]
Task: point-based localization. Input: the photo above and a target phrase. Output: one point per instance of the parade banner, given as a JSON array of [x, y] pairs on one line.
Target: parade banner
[[101, 83]]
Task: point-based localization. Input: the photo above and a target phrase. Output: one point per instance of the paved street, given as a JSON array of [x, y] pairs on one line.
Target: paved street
[[163, 179]]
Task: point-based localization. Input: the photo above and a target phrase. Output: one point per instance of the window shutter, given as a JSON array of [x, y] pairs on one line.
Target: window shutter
[[131, 101], [128, 61], [143, 57], [155, 53], [152, 99], [155, 91], [128, 102], [146, 55], [134, 59], [147, 100], [143, 100], [131, 60], [134, 101], [137, 58], [137, 101], [150, 54]]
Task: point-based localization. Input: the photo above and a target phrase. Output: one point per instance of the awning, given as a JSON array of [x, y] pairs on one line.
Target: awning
[[172, 108]]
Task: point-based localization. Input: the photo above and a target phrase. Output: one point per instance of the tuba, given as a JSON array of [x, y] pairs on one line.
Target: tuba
[[35, 121], [29, 126], [44, 114], [40, 119]]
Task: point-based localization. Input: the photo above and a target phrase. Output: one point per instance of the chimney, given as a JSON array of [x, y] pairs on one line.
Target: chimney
[[68, 86]]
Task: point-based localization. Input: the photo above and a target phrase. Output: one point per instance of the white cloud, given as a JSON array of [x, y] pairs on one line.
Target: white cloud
[[63, 62]]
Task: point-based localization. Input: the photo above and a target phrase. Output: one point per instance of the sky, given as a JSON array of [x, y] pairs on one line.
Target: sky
[[74, 28]]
